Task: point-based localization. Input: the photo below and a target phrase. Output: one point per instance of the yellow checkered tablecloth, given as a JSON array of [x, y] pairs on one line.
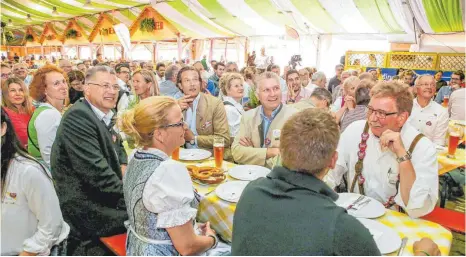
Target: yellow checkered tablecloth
[[446, 164]]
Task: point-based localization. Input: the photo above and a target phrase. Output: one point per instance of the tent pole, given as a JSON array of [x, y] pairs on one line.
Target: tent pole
[[318, 52], [226, 46], [180, 47], [211, 51]]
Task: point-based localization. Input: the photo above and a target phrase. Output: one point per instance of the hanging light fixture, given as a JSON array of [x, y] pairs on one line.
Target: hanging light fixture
[[29, 19], [54, 12], [88, 5], [10, 22]]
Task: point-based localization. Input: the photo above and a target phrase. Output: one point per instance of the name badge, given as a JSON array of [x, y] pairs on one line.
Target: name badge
[[10, 198], [276, 134], [267, 142], [207, 124]]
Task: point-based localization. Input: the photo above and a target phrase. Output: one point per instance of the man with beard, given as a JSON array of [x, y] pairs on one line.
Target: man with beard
[[259, 134], [295, 91], [87, 162], [386, 157], [427, 116]]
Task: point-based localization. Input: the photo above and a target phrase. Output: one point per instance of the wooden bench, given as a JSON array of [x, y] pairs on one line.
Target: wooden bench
[[451, 220], [117, 244]]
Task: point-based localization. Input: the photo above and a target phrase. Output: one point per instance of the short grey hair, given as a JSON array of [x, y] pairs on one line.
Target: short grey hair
[[322, 94], [171, 71], [348, 72], [416, 82], [264, 76], [318, 76], [362, 95], [90, 74]]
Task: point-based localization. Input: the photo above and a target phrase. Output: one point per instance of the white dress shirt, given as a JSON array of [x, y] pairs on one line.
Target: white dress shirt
[[234, 114], [31, 217], [169, 193], [456, 104], [311, 87], [190, 119], [432, 121], [46, 125], [380, 169]]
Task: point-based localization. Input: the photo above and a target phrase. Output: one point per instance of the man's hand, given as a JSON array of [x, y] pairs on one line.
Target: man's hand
[[272, 152], [392, 140], [426, 245], [246, 142], [291, 92], [185, 101], [188, 135]]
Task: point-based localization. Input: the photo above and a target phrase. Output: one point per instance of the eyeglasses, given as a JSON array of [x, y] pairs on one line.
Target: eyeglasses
[[454, 79], [175, 125], [427, 85], [379, 113], [106, 86]]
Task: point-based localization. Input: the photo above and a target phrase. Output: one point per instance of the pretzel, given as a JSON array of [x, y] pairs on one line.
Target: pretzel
[[209, 175], [192, 169]]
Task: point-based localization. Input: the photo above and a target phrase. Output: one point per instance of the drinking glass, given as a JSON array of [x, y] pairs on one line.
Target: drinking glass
[[445, 100], [219, 148], [454, 136], [176, 154]]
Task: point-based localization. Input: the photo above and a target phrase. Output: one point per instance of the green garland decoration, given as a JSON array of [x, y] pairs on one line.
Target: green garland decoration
[[71, 33], [29, 38], [147, 25]]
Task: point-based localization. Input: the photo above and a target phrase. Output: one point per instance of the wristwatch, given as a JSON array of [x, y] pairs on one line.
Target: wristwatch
[[407, 157], [215, 241], [192, 141]]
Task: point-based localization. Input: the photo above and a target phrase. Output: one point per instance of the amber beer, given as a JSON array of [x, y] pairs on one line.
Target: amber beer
[[453, 141], [445, 100], [219, 148], [176, 154]]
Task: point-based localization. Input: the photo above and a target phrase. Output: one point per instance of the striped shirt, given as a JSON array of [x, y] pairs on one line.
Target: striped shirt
[[350, 116]]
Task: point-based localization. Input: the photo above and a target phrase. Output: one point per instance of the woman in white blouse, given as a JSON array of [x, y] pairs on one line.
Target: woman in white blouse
[[159, 195], [32, 222], [231, 85], [50, 89]]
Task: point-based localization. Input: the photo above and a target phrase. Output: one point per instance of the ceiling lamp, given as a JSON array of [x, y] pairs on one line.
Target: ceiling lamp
[[88, 5], [54, 12], [29, 19]]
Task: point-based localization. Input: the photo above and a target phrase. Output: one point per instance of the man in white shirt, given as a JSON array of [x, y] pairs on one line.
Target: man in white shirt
[[427, 116], [456, 104], [375, 154], [262, 61], [318, 80], [295, 92]]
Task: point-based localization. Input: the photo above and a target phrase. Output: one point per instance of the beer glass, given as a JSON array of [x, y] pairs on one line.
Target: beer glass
[[454, 136], [176, 154], [445, 100], [219, 147]]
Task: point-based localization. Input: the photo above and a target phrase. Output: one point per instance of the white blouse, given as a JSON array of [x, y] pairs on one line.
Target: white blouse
[[169, 193], [234, 114], [31, 217], [46, 125]]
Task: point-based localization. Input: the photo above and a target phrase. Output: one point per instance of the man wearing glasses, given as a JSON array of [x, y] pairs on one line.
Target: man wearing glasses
[[427, 116], [457, 78], [88, 161], [20, 70], [6, 72], [386, 158]]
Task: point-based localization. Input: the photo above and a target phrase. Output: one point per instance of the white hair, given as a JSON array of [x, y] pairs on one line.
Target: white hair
[[90, 74], [318, 76]]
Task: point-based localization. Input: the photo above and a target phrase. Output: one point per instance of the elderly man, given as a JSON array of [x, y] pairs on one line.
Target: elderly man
[[160, 72], [276, 69], [169, 87], [386, 157], [21, 71], [65, 65], [295, 91], [318, 80], [427, 116], [88, 161], [5, 72], [338, 91], [335, 81], [82, 67], [291, 207], [204, 114], [212, 86], [320, 98], [457, 78], [259, 135], [232, 67], [88, 64]]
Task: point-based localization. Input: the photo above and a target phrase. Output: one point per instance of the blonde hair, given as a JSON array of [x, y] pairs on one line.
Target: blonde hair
[[148, 115], [353, 80], [308, 141], [396, 90], [149, 77], [27, 104], [226, 79]]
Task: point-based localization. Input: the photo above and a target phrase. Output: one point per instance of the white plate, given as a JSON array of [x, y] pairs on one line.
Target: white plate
[[194, 154], [231, 191], [373, 209], [387, 239], [248, 172]]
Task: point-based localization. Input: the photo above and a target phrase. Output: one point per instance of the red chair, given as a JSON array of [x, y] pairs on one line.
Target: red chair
[[451, 220], [117, 244]]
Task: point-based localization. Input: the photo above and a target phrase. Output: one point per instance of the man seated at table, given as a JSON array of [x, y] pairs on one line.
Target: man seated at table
[[295, 91], [457, 78], [259, 135], [204, 114], [292, 211], [427, 116], [386, 157]]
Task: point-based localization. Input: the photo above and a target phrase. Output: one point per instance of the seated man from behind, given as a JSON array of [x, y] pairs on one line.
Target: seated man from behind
[[427, 116], [259, 134], [386, 157], [204, 114], [292, 211], [87, 162]]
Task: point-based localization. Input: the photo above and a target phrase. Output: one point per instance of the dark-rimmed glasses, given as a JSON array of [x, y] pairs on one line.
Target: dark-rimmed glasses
[[106, 86], [174, 125], [378, 113]]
